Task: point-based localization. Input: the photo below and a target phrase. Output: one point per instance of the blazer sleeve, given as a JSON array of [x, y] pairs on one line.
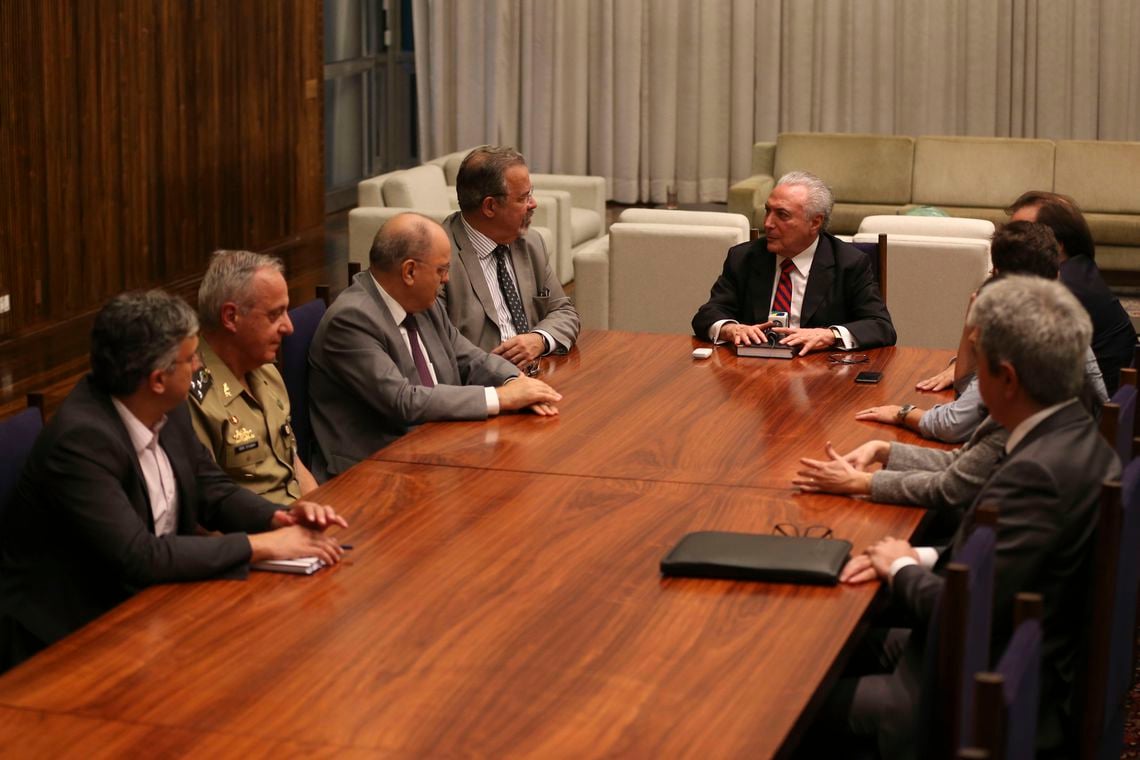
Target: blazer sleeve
[[726, 294], [557, 315], [952, 480], [87, 469], [357, 350]]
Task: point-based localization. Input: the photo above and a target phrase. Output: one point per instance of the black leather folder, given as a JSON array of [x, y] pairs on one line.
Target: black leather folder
[[753, 557]]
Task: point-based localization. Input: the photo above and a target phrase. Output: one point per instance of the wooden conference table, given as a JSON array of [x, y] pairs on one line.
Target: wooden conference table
[[503, 596]]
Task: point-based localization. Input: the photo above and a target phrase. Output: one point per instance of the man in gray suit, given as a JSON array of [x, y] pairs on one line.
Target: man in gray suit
[[386, 357], [502, 294], [1029, 337]]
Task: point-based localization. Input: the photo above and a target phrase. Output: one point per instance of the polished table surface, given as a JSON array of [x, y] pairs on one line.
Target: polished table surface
[[503, 603]]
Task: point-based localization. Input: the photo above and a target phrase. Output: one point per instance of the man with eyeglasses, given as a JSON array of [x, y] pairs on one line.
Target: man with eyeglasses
[[238, 400], [825, 286], [502, 294], [386, 357], [119, 494]]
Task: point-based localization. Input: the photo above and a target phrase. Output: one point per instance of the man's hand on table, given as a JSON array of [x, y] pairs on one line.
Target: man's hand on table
[[527, 392], [807, 338], [876, 560]]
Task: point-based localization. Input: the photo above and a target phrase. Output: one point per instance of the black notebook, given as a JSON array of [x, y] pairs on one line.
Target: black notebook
[[755, 557]]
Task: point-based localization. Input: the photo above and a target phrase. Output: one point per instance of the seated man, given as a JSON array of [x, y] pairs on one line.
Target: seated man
[[1028, 336], [238, 400], [386, 357], [502, 294], [1017, 248], [1114, 339], [826, 286], [118, 493]]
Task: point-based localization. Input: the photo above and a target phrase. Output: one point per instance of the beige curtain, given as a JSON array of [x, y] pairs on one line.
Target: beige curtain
[[653, 94]]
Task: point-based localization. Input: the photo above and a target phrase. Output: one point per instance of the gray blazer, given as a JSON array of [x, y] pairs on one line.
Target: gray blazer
[[364, 390], [467, 298]]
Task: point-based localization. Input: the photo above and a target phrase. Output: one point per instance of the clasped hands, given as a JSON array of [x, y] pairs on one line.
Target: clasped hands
[[876, 560], [807, 338], [299, 532], [521, 350]]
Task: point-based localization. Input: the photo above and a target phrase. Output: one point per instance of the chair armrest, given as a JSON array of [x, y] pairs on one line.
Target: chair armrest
[[592, 284], [553, 211], [585, 192], [748, 196], [763, 158]]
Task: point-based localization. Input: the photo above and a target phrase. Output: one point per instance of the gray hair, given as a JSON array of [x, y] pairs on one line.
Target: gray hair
[[227, 280], [819, 197], [483, 173], [395, 244], [136, 333], [1038, 327]]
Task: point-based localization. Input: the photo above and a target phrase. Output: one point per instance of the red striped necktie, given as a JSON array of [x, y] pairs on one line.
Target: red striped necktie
[[783, 299]]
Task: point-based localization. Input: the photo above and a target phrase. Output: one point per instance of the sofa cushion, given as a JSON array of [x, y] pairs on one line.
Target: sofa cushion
[[845, 217], [1114, 229], [990, 172], [421, 187], [857, 168], [1100, 176], [585, 225]]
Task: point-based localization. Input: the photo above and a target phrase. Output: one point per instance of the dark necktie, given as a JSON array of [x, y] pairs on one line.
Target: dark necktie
[[510, 293], [783, 299], [418, 357]]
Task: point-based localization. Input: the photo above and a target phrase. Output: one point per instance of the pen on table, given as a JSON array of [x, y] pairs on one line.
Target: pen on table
[[346, 547]]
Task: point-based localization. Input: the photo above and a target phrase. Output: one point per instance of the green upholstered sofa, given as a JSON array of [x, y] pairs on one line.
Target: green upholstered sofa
[[963, 176]]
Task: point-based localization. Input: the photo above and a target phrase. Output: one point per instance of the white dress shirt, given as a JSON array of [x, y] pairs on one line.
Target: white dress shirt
[[801, 267], [398, 313], [161, 488], [485, 250]]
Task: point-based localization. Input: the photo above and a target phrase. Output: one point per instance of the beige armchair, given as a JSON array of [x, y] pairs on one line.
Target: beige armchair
[[654, 270], [573, 207]]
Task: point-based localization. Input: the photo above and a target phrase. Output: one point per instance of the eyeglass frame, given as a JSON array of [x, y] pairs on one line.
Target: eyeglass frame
[[792, 530]]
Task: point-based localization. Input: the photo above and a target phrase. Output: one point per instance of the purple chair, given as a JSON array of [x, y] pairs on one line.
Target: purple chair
[[1118, 417], [17, 434], [1107, 673], [877, 253], [957, 645], [295, 371]]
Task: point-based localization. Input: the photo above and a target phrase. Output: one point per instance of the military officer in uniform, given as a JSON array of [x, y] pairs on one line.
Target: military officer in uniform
[[238, 400]]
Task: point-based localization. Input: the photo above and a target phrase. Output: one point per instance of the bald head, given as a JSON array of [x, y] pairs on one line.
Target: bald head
[[411, 258]]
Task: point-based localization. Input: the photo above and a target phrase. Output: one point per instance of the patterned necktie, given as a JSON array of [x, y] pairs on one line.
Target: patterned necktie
[[783, 299], [510, 293], [409, 324]]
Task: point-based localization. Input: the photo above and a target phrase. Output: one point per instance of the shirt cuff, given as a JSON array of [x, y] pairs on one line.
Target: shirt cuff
[[927, 556], [847, 338], [492, 401], [548, 341], [714, 331]]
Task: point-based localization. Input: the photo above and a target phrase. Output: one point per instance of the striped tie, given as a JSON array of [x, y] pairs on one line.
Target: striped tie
[[783, 298]]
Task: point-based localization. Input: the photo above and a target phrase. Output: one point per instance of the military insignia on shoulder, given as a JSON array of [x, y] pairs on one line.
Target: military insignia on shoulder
[[200, 383]]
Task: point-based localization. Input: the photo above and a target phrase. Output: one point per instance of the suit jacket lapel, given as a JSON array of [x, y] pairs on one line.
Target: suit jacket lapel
[[820, 280], [107, 407], [761, 277], [187, 518], [438, 355], [469, 260], [397, 349]]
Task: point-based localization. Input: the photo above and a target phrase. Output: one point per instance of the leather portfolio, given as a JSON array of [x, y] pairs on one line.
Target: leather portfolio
[[755, 557]]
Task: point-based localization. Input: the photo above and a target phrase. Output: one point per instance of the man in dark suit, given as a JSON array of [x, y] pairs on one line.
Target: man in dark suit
[[118, 493], [826, 286], [386, 357], [502, 294], [1028, 336], [1114, 338]]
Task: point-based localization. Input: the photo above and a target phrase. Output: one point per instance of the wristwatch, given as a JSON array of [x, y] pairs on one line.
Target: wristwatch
[[904, 410]]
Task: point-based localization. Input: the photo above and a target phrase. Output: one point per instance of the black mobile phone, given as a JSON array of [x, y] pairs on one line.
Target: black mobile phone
[[869, 377]]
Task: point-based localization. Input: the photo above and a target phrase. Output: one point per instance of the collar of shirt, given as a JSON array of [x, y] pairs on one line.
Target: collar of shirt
[[1026, 426], [483, 245], [142, 437], [394, 307], [221, 373], [802, 260]]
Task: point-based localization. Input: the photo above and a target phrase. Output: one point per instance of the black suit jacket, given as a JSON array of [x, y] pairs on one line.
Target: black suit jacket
[[1047, 491], [78, 535], [841, 290], [1114, 339]]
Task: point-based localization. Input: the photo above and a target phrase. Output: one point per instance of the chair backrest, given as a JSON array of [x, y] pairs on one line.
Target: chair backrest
[[17, 434], [1106, 677], [660, 273], [931, 280], [957, 645], [1118, 417], [678, 216], [876, 251], [421, 187], [295, 372], [929, 226], [1006, 700]]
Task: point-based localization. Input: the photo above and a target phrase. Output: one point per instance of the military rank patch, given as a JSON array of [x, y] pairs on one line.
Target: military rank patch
[[200, 383]]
